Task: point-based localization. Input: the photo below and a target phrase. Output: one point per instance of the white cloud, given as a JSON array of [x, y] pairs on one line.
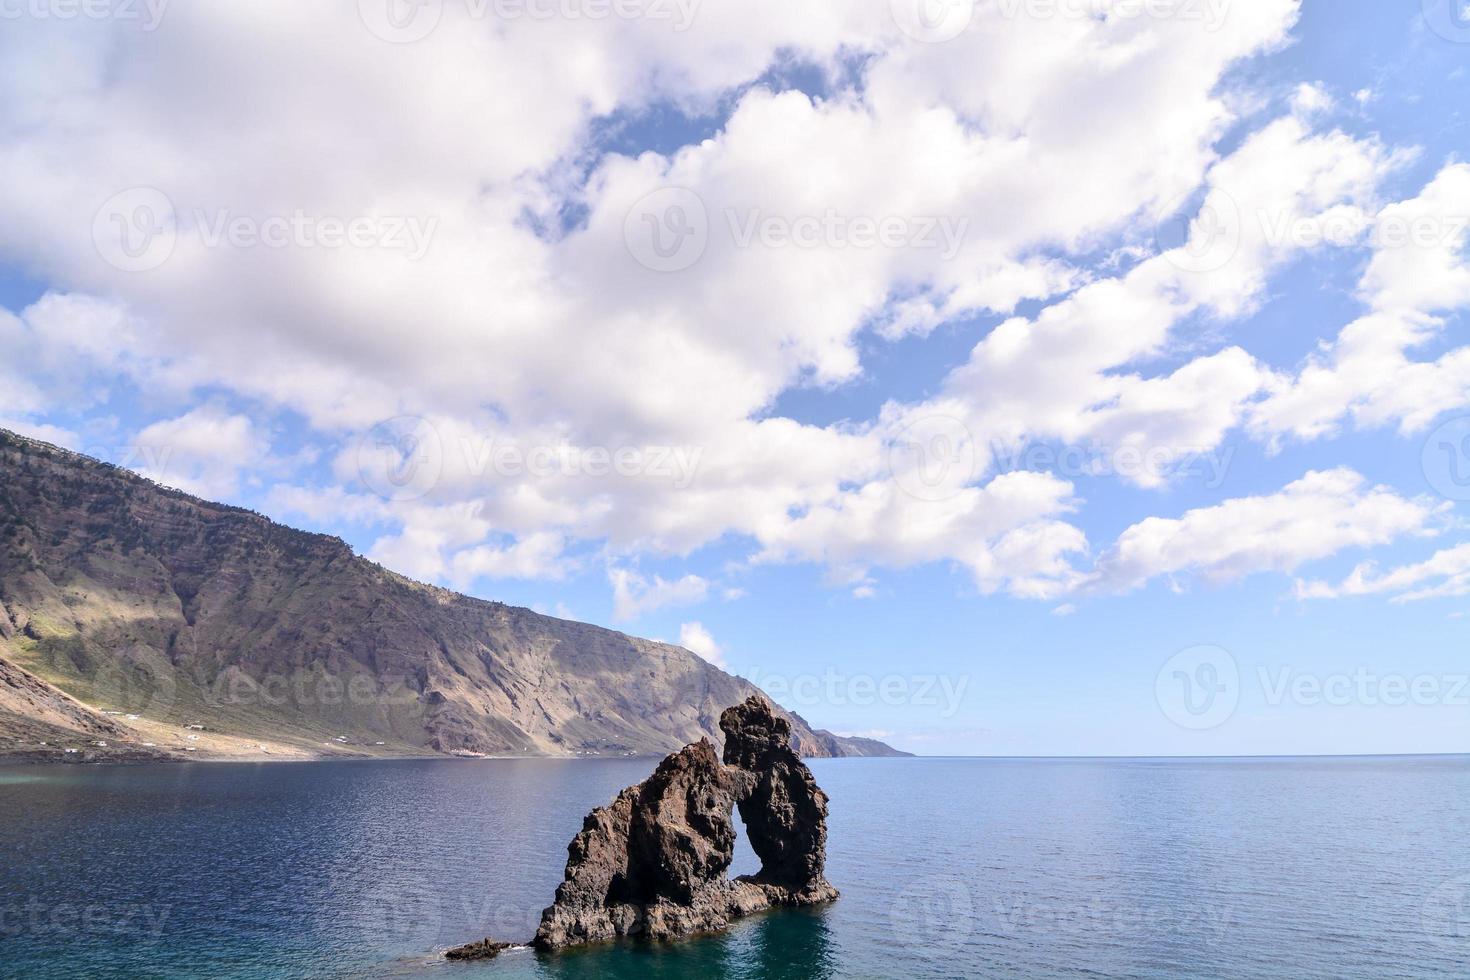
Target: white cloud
[[1418, 271], [1317, 516], [204, 451], [1035, 140], [695, 638], [1445, 573], [536, 556], [1310, 97], [634, 594]]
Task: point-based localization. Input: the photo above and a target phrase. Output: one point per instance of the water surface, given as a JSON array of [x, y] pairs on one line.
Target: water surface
[[948, 867]]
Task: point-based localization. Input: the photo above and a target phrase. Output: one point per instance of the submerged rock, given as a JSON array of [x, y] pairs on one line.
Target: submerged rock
[[653, 863], [483, 950]]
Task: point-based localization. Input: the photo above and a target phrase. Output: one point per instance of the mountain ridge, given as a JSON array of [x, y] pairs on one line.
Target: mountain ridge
[[144, 600]]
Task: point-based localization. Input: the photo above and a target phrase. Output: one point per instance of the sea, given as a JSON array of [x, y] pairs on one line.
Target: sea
[[1167, 868]]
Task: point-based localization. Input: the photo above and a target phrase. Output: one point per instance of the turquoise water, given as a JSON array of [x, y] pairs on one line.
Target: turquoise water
[[949, 868]]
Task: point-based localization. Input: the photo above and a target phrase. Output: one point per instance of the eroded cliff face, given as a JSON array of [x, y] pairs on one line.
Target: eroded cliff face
[[653, 864], [133, 597]]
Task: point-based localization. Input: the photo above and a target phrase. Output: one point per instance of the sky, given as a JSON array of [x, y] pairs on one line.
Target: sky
[[1017, 377]]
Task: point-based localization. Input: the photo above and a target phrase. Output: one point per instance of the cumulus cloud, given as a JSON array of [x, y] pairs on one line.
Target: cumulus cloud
[[204, 451], [1445, 573], [695, 638], [635, 594], [1369, 374], [572, 386], [1314, 517]]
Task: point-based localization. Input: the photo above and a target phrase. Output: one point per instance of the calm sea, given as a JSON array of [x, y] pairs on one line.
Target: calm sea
[[1355, 867]]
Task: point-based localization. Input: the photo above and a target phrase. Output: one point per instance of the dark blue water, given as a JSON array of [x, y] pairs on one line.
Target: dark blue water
[[949, 868]]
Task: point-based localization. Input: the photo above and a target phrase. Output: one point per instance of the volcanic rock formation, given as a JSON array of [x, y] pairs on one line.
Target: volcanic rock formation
[[652, 864]]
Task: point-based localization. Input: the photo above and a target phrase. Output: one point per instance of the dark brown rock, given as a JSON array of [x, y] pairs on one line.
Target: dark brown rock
[[485, 949], [784, 810], [653, 864]]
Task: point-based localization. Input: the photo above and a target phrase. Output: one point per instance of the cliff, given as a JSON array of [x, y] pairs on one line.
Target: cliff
[[135, 598]]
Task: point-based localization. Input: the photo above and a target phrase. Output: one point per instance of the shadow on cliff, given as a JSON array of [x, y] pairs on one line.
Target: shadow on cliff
[[782, 944]]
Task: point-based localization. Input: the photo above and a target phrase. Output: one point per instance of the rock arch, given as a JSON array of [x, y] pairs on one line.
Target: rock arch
[[653, 864]]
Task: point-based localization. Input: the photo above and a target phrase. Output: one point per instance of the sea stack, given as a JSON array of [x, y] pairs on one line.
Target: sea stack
[[652, 865]]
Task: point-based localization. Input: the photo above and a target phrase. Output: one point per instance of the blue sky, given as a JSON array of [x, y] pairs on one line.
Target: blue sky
[[842, 455]]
